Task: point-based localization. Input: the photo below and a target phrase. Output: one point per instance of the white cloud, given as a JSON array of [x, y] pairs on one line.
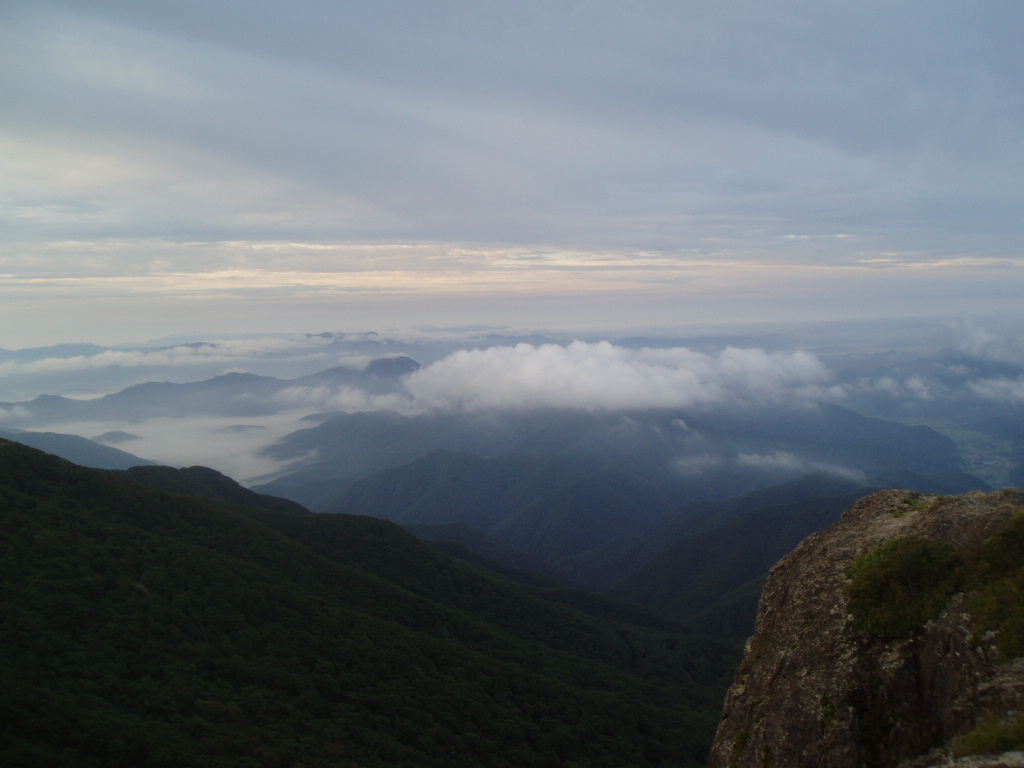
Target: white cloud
[[346, 399], [223, 443], [886, 385], [604, 376], [228, 352], [775, 460], [1000, 339], [789, 462], [912, 387], [919, 388], [1008, 390]]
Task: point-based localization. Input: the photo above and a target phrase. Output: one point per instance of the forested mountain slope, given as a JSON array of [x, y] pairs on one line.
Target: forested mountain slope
[[595, 524], [147, 628], [558, 510], [713, 559], [208, 484]]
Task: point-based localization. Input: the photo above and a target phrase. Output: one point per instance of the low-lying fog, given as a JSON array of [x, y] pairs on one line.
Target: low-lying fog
[[964, 379]]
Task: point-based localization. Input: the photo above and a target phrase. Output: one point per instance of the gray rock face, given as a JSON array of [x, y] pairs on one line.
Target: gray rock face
[[814, 691]]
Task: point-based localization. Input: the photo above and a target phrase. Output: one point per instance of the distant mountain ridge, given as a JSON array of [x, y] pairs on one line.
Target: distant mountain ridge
[[231, 394], [79, 450], [715, 454]]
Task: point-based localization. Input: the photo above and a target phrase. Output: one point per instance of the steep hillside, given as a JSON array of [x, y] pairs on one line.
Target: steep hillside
[[595, 525], [146, 628], [713, 559], [556, 510], [587, 493], [894, 638], [471, 543], [207, 483]]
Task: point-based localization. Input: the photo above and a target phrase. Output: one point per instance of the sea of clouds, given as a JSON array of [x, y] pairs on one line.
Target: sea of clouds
[[494, 373]]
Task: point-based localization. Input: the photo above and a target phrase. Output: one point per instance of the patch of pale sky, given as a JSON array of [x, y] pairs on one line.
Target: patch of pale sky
[[97, 55], [558, 276]]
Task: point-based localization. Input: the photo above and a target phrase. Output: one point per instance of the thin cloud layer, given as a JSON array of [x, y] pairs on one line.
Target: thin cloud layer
[[789, 462], [347, 399], [273, 159], [608, 377], [1005, 390], [182, 355], [1000, 339]]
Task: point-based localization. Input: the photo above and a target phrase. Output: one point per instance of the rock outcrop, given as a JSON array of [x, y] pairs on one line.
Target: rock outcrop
[[816, 690]]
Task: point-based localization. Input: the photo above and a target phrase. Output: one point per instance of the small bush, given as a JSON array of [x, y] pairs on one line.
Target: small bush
[[905, 582], [997, 576], [901, 585], [991, 737]]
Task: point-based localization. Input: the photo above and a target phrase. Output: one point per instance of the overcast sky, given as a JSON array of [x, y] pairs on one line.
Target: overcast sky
[[201, 166]]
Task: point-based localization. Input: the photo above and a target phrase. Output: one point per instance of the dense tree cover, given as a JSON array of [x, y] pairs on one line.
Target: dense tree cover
[[145, 628], [208, 484], [556, 510]]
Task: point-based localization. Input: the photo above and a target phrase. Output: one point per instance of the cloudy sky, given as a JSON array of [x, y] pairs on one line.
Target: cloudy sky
[[197, 166]]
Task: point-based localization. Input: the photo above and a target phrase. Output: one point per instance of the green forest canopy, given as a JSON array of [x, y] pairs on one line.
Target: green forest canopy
[[145, 628]]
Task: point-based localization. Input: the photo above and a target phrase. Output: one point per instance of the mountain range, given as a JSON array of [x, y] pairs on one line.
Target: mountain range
[[672, 509], [571, 584], [680, 511], [712, 454], [231, 394]]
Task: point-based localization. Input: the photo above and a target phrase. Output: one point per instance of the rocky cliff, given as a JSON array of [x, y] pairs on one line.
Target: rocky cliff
[[894, 638]]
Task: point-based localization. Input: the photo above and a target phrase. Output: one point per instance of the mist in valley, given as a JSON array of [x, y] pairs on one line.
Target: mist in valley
[[964, 380]]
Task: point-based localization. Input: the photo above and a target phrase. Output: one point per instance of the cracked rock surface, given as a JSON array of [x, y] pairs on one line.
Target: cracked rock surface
[[814, 691]]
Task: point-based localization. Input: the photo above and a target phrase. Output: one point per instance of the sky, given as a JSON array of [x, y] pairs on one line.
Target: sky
[[204, 167]]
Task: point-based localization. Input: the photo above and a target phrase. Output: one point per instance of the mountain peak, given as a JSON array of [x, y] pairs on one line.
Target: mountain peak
[[392, 366]]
